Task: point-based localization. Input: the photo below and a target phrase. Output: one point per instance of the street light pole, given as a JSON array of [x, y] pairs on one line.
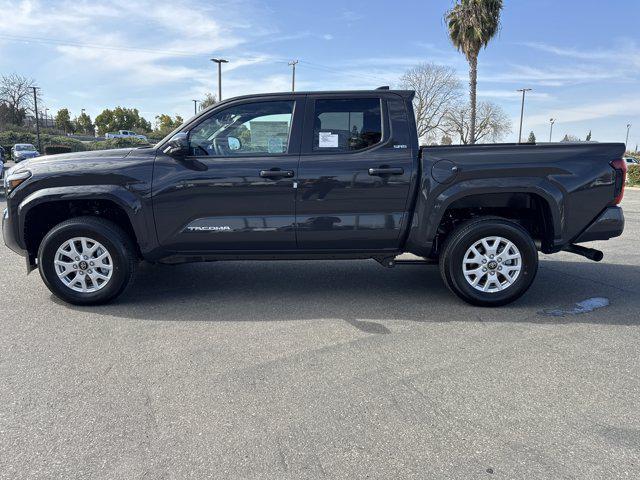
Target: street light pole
[[219, 61], [551, 121], [293, 64], [35, 107], [524, 91], [195, 107], [627, 140]]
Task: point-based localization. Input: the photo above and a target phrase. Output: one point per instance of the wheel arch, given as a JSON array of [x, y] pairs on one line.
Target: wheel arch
[[493, 197], [42, 210]]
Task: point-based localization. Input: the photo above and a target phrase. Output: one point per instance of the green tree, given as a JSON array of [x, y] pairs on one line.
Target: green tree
[[472, 24], [208, 100], [84, 124], [121, 119], [532, 138], [165, 124], [63, 120]]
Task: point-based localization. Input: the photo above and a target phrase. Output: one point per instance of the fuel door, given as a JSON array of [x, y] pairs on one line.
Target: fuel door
[[444, 171]]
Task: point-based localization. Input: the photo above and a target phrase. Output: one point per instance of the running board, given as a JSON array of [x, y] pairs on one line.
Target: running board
[[390, 262]]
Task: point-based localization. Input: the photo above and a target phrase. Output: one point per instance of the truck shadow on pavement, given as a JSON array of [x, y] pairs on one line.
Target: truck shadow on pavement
[[361, 293]]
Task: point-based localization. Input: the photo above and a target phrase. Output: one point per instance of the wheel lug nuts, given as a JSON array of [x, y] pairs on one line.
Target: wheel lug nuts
[[89, 271], [85, 257], [75, 266], [499, 268], [77, 259], [491, 256], [492, 273], [484, 269], [91, 263], [499, 259], [81, 272], [484, 260]]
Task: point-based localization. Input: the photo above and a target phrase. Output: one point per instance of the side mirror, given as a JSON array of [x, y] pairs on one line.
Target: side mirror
[[234, 143], [178, 146]]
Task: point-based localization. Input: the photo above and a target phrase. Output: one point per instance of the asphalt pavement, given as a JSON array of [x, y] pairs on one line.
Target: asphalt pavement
[[344, 369]]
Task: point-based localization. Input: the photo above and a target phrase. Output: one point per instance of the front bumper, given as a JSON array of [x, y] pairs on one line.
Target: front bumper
[[609, 224], [9, 235]]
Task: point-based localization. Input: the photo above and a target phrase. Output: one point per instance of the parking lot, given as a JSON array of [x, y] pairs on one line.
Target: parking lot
[[289, 370]]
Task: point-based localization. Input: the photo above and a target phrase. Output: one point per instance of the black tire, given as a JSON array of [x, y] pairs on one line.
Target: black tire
[[111, 236], [466, 235]]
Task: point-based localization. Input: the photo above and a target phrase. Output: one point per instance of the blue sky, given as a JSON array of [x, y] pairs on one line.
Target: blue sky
[[582, 58]]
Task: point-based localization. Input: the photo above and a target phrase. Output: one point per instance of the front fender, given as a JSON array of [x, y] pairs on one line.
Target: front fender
[[434, 199], [130, 203]]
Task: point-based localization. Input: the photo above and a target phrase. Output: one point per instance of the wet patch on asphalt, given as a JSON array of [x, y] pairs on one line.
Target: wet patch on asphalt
[[585, 306]]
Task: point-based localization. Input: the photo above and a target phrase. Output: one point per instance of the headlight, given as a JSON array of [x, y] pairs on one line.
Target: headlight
[[12, 180]]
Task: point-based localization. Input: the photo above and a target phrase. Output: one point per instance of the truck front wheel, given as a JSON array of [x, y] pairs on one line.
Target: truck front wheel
[[86, 260], [489, 261]]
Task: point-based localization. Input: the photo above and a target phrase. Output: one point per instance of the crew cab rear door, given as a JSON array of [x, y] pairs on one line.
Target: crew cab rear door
[[355, 172]]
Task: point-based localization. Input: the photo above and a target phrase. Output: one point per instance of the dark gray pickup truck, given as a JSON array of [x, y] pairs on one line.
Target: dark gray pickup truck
[[315, 175]]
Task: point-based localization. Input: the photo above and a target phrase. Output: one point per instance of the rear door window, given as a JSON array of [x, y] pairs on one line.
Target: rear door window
[[346, 125]]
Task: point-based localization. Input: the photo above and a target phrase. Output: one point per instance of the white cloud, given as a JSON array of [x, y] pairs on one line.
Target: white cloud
[[626, 106], [626, 53]]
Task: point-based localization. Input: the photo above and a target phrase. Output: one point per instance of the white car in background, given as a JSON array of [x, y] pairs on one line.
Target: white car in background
[[125, 134], [631, 161]]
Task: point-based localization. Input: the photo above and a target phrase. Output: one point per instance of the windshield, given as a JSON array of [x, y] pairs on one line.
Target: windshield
[[25, 148]]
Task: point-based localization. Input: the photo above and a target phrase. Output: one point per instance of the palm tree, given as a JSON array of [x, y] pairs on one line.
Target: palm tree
[[472, 24]]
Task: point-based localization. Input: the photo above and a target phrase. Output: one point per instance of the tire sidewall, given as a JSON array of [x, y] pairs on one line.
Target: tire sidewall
[[498, 228], [57, 236]]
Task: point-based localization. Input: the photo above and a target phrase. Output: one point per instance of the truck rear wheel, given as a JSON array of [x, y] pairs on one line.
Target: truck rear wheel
[[86, 260], [489, 261]]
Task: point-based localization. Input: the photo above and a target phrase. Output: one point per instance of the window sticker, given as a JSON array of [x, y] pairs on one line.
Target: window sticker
[[328, 140]]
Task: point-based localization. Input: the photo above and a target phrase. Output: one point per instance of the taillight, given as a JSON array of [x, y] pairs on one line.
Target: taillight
[[620, 166]]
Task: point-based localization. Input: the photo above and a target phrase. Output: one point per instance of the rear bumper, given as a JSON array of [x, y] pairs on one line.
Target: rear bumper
[[609, 224]]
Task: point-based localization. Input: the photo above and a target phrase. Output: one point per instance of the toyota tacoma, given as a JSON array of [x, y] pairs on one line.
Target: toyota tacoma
[[315, 175]]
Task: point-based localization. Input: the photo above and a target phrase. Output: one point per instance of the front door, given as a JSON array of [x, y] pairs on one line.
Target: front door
[[234, 191], [355, 174]]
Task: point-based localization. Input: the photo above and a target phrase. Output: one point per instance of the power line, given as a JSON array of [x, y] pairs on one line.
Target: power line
[[366, 76]]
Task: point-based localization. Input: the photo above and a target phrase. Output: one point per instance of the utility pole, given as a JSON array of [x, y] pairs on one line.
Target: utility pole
[[35, 107], [293, 64], [195, 107], [627, 140], [219, 61], [551, 122], [524, 91]]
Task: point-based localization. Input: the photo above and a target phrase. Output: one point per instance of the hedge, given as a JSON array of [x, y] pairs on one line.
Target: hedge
[[55, 149], [117, 143], [633, 175]]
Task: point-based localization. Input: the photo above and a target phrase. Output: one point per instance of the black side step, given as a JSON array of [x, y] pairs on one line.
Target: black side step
[[390, 262]]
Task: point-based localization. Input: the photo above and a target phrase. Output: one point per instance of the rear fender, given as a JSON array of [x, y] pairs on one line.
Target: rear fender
[[431, 206]]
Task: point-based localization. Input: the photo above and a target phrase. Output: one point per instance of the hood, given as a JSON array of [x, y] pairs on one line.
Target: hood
[[93, 155]]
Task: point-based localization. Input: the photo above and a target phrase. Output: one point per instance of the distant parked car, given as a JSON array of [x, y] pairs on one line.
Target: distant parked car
[[125, 134], [631, 161], [22, 151]]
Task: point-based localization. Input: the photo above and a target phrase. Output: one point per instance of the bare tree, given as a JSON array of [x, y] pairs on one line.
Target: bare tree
[[492, 123], [17, 94], [437, 89]]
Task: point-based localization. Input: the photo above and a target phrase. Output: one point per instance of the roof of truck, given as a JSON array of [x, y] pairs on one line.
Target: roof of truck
[[403, 93]]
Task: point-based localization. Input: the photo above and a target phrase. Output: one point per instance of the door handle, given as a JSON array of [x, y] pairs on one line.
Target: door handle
[[386, 171], [276, 173]]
